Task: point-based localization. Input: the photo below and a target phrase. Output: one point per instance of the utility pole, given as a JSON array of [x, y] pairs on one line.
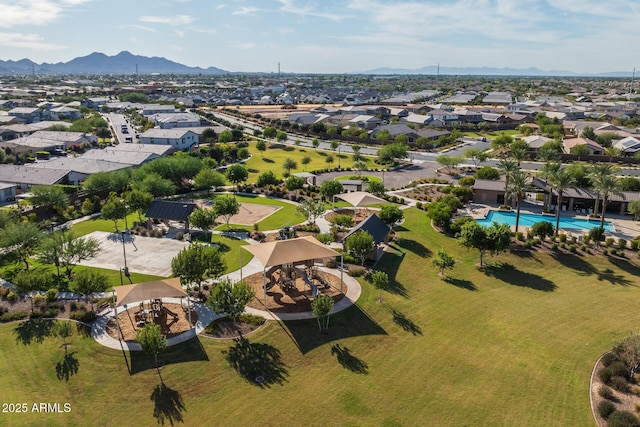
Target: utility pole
[[633, 76]]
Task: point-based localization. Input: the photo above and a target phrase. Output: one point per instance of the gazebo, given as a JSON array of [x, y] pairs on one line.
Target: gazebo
[[290, 251], [360, 198], [158, 289]]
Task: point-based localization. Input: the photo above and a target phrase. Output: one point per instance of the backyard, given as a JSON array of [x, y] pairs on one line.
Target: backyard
[[511, 345]]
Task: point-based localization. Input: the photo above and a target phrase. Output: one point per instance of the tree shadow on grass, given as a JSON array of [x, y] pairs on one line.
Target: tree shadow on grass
[[460, 283], [390, 263], [268, 160], [626, 265], [583, 268], [258, 363], [33, 331], [188, 351], [348, 360], [168, 404], [404, 322], [511, 275], [414, 247], [352, 322], [67, 367]]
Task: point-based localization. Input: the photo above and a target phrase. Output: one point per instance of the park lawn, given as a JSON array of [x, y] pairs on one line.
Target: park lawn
[[98, 224], [507, 346], [273, 158], [230, 247], [285, 216], [366, 178]]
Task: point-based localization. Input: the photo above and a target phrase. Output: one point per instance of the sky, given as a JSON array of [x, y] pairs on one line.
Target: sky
[[331, 36]]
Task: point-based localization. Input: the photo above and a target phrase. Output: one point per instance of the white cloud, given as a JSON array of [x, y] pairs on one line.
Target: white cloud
[[244, 46], [29, 12], [139, 27], [170, 20], [174, 47], [27, 41], [291, 6], [246, 10]]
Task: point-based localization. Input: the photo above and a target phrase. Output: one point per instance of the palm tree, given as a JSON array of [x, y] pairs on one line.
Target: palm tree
[[547, 170], [560, 180], [596, 172], [519, 154], [507, 167], [606, 185], [517, 188]]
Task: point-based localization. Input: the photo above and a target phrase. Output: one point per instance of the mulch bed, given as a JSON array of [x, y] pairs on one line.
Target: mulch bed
[[226, 330]]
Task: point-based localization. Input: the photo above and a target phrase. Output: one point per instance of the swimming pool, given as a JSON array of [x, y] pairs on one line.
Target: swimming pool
[[527, 220]]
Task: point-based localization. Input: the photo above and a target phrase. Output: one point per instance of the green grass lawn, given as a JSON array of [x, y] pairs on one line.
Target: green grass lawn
[[273, 159], [99, 224], [513, 345], [230, 247], [367, 178], [285, 216]]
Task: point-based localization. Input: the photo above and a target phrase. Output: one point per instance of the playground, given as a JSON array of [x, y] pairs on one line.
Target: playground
[[291, 289], [173, 319]]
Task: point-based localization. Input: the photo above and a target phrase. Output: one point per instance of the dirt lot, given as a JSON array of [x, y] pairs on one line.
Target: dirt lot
[[249, 214]]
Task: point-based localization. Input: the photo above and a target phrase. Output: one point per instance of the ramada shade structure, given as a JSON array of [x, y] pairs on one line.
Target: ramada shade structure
[[360, 198], [168, 288], [290, 251]]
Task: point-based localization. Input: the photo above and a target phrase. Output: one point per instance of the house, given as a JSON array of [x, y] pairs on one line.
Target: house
[[151, 109], [175, 120], [66, 139], [535, 142], [500, 98], [111, 154], [594, 147], [28, 114], [419, 119], [397, 130], [629, 145], [177, 137], [469, 116], [432, 133], [6, 119], [24, 177], [94, 103], [307, 118], [489, 192], [78, 168], [65, 113], [365, 121], [8, 191]]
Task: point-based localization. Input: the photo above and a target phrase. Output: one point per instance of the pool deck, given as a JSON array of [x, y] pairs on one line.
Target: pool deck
[[624, 225]]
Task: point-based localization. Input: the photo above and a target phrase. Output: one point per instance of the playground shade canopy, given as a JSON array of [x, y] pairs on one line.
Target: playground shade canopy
[[290, 250], [168, 288], [360, 198]]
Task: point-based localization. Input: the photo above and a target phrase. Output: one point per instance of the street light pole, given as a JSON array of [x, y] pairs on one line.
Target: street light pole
[[339, 146]]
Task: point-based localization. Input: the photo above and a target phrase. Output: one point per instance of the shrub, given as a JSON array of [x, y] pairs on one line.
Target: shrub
[[50, 313], [51, 295], [634, 245], [12, 297], [605, 252], [609, 358], [605, 375], [356, 272], [83, 316], [613, 251], [583, 248], [623, 419], [520, 236], [467, 181], [419, 205], [456, 224], [331, 263], [37, 299], [542, 229], [572, 248], [618, 369], [528, 244], [179, 235], [605, 392], [342, 220], [16, 315], [622, 243], [73, 306], [554, 247], [606, 408], [325, 238], [609, 242], [620, 383], [251, 319], [562, 237]]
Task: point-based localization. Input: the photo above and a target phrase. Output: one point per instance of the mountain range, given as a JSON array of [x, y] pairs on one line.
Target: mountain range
[[99, 63], [489, 71], [128, 63]]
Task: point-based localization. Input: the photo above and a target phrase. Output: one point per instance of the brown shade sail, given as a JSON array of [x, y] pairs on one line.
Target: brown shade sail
[[168, 288], [361, 198], [290, 250]]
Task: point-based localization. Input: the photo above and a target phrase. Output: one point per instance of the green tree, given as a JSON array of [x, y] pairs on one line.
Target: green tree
[[330, 188], [517, 189], [560, 180], [87, 282], [114, 210], [311, 209], [606, 185], [203, 219], [266, 178], [226, 207], [151, 340], [334, 145], [588, 133], [139, 201], [26, 281], [402, 139], [51, 197], [305, 161], [288, 165], [390, 215], [392, 152], [261, 146], [154, 184], [208, 178], [329, 159], [196, 263], [595, 172], [315, 143], [380, 281], [507, 167], [487, 172], [230, 298], [443, 261], [546, 170], [359, 166], [237, 173], [634, 208], [440, 213], [376, 188], [62, 248], [356, 152], [502, 141], [383, 135], [225, 136], [321, 307], [63, 330], [270, 132], [580, 150], [294, 183], [493, 239], [360, 245], [542, 229], [21, 239], [476, 155], [281, 136], [448, 162], [628, 351]]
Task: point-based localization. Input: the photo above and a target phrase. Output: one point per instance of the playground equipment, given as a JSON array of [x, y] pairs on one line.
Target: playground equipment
[[287, 233]]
